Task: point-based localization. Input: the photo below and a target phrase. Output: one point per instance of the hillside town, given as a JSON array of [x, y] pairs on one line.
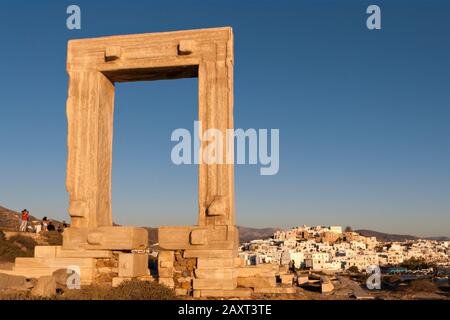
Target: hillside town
[[334, 249]]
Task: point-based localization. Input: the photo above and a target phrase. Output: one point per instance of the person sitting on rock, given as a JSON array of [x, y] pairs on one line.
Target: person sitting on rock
[[50, 226]]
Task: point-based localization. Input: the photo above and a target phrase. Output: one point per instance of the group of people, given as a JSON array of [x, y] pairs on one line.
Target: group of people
[[39, 226]]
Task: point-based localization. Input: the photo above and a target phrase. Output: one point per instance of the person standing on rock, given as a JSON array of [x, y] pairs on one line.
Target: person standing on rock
[[24, 220]]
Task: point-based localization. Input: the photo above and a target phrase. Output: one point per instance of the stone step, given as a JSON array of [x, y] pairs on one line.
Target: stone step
[[60, 252], [222, 284], [261, 270], [60, 263], [222, 273], [234, 293], [214, 263], [257, 282], [86, 276], [275, 290]]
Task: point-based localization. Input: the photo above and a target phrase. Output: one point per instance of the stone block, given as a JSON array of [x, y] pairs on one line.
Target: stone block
[[195, 237], [226, 284], [38, 267], [275, 290], [45, 287], [260, 270], [198, 237], [287, 279], [234, 293], [197, 294], [83, 253], [256, 282], [61, 276], [45, 251], [239, 262], [165, 264], [8, 281], [181, 292], [75, 238], [117, 238], [105, 238], [326, 287], [219, 273], [207, 263], [133, 264], [302, 279], [168, 282], [166, 256]]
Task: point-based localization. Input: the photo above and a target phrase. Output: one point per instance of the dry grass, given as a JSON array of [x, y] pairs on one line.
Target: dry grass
[[129, 290], [17, 247], [53, 238], [24, 241]]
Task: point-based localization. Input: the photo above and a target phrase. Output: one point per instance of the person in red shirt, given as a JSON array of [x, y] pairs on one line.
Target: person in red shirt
[[24, 220]]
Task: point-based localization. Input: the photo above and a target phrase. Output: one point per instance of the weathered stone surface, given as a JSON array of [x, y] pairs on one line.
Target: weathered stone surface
[[39, 267], [14, 282], [45, 251], [105, 238], [198, 237], [223, 273], [212, 263], [239, 262], [234, 293], [260, 270], [83, 253], [302, 279], [166, 261], [326, 285], [45, 287], [287, 278], [227, 284], [181, 292], [256, 282], [61, 276], [196, 294], [133, 264], [275, 290]]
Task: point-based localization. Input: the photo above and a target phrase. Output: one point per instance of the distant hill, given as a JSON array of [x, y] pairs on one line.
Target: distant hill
[[9, 219], [386, 237], [248, 234]]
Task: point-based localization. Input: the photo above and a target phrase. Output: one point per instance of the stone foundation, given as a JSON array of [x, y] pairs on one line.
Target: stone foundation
[[215, 276], [99, 257]]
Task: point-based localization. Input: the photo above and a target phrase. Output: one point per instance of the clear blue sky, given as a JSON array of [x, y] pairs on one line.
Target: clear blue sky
[[364, 116]]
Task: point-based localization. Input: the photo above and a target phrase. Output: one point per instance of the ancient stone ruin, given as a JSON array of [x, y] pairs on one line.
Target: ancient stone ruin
[[199, 260]]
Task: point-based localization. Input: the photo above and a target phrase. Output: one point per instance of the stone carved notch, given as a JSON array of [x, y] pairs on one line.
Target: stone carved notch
[[218, 206], [112, 53], [185, 47]]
